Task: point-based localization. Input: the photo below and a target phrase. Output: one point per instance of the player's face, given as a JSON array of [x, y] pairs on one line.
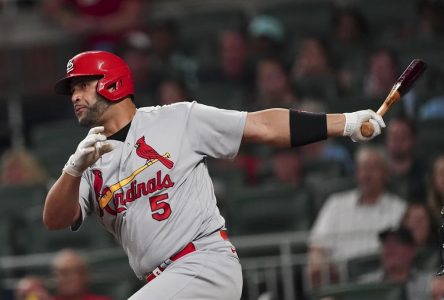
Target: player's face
[[88, 105]]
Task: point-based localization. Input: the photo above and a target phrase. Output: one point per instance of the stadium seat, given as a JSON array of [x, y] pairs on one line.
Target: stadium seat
[[360, 265], [111, 274], [18, 203], [90, 236], [54, 142], [430, 138], [268, 209], [371, 291]]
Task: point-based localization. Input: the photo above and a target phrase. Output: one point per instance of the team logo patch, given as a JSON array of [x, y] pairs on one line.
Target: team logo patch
[[69, 66]]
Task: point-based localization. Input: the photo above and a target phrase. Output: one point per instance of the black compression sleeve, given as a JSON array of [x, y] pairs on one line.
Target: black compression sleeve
[[306, 127]]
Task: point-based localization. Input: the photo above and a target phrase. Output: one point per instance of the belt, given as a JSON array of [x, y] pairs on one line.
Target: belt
[[189, 248]]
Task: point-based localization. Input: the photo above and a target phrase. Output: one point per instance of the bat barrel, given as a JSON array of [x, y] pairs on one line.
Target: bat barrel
[[400, 88], [410, 75]]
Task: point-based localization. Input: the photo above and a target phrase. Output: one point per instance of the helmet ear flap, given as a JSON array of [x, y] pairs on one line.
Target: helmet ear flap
[[113, 89]]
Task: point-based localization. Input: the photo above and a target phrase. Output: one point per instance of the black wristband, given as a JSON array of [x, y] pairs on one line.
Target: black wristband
[[306, 127]]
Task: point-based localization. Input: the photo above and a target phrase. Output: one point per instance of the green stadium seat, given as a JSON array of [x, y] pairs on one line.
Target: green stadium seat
[[90, 236], [362, 265], [430, 138], [268, 209], [18, 203], [54, 142]]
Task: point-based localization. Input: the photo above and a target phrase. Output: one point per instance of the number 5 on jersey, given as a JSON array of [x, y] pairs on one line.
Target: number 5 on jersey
[[160, 209]]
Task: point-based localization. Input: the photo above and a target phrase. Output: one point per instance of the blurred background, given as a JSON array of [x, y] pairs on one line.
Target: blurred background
[[332, 220]]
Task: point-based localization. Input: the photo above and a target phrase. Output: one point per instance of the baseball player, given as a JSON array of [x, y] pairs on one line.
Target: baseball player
[[142, 172]]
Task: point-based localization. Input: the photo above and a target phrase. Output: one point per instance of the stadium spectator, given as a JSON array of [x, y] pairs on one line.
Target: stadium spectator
[[171, 91], [435, 189], [31, 288], [348, 224], [418, 219], [406, 171], [431, 13], [382, 71], [397, 257], [102, 23], [135, 50], [273, 87], [349, 28], [312, 73], [233, 64], [437, 288], [350, 40], [285, 168], [72, 277], [267, 37], [166, 58], [21, 167]]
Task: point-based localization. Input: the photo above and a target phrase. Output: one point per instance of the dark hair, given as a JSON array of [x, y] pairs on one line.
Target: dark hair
[[353, 12]]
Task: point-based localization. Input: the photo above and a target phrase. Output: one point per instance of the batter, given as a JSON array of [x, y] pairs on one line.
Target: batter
[[142, 172]]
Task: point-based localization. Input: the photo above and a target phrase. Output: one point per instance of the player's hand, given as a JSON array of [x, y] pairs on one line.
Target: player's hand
[[354, 120], [88, 152]]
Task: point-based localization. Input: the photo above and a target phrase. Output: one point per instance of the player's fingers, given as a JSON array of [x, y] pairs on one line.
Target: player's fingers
[[92, 139], [376, 128], [104, 147], [95, 130], [377, 118], [88, 150]]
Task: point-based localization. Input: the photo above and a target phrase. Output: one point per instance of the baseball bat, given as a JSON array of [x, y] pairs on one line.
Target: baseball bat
[[399, 89]]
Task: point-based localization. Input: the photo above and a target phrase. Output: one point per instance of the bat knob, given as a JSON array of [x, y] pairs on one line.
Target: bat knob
[[367, 129]]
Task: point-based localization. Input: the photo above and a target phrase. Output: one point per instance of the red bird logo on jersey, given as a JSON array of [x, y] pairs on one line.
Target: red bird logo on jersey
[[146, 151], [98, 184]]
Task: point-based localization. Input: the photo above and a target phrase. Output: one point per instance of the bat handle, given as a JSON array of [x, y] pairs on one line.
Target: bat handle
[[367, 127]]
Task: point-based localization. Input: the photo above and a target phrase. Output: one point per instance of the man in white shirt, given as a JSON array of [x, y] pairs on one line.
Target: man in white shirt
[[349, 222]]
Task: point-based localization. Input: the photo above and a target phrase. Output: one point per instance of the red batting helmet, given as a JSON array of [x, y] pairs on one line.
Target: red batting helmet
[[111, 69]]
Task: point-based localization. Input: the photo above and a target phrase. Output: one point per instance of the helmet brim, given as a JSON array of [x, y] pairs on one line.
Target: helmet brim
[[63, 86]]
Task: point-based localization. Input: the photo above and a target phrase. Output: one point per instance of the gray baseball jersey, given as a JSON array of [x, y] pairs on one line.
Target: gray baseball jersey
[[154, 187]]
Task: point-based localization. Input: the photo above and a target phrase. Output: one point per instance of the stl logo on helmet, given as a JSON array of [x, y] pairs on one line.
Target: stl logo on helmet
[[69, 66]]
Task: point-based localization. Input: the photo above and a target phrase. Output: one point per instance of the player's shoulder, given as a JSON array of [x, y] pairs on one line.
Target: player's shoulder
[[174, 107]]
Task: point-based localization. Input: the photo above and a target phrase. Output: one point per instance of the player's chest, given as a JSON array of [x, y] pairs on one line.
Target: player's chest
[[137, 170]]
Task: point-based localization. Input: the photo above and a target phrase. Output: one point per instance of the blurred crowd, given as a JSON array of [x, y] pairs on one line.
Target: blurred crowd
[[384, 199]]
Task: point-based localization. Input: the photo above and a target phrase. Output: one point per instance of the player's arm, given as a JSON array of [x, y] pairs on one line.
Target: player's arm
[[284, 128], [62, 208]]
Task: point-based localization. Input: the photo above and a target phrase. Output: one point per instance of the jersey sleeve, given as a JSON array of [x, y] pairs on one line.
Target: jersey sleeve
[[84, 201], [215, 132]]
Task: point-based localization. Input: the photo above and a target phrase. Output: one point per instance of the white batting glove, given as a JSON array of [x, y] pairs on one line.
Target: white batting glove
[[354, 120], [88, 152]]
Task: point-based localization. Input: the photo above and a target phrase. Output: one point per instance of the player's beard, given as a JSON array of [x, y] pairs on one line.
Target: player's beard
[[94, 113]]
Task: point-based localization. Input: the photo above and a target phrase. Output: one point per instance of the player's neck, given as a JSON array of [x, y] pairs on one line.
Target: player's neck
[[118, 116]]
